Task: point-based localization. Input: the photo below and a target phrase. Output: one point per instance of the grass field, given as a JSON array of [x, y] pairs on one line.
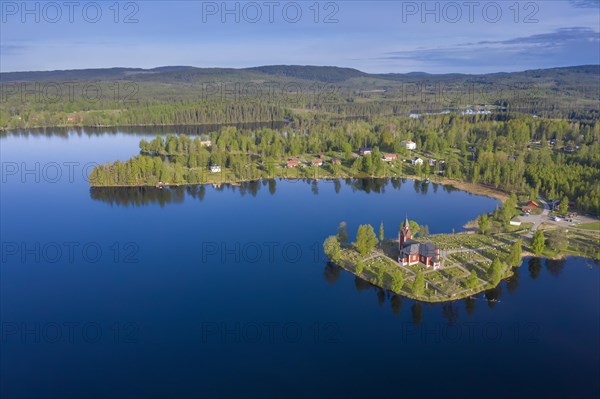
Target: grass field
[[590, 226]]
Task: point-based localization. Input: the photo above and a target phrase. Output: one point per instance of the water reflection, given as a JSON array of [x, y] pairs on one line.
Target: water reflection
[[396, 302], [362, 285], [139, 196], [555, 266], [416, 312], [137, 130], [534, 265], [380, 296], [470, 305], [332, 272], [450, 313], [513, 282], [493, 296]]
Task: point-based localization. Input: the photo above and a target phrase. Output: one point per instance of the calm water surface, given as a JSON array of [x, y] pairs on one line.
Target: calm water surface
[[206, 292]]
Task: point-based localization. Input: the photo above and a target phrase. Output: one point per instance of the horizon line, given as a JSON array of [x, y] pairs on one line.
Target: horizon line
[[296, 65]]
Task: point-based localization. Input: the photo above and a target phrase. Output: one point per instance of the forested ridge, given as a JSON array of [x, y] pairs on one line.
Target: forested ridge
[[193, 96]]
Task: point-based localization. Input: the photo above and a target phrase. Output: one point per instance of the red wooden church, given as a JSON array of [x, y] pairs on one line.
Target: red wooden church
[[413, 252]]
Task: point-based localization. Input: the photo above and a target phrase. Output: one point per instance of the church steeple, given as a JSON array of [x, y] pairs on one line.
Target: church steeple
[[405, 233]]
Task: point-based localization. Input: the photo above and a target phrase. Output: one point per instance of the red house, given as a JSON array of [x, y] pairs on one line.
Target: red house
[[292, 162], [390, 157], [413, 252], [532, 204]]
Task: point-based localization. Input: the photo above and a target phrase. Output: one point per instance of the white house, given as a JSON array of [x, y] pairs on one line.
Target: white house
[[215, 169], [409, 145], [417, 161]]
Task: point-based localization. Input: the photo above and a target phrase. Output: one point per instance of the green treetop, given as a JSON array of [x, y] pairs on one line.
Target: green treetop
[[365, 239]]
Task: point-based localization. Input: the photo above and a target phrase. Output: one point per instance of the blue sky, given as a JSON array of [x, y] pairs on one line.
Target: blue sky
[[373, 36]]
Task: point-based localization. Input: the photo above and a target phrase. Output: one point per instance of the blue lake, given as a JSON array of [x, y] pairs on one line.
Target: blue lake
[[225, 292]]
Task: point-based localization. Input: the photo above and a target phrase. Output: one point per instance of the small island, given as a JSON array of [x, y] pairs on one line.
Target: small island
[[447, 267]]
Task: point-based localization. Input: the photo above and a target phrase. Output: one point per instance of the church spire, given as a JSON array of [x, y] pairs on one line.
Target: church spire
[[406, 224]]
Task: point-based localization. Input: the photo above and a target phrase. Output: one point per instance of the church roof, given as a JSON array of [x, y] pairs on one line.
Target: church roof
[[411, 247], [428, 249]]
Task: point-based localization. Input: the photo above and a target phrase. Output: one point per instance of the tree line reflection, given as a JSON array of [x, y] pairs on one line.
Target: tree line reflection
[[450, 311], [140, 196], [136, 130]]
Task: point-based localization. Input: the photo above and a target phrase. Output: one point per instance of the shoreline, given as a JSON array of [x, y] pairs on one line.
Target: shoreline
[[471, 188], [351, 268]]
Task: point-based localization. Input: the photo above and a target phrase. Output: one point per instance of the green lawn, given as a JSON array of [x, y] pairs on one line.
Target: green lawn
[[590, 226]]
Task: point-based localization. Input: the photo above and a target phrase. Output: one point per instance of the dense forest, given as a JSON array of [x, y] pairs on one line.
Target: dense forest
[[194, 96], [533, 156]]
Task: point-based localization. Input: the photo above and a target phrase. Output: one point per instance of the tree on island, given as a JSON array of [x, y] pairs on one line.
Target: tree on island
[[342, 233], [332, 249], [514, 257], [381, 232], [418, 286], [425, 231], [360, 266], [397, 282], [484, 223], [379, 277], [472, 280], [495, 272], [537, 242], [414, 227], [366, 240]]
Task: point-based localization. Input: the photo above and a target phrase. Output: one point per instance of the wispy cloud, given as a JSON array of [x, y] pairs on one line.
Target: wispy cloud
[[559, 47], [12, 49], [585, 3]]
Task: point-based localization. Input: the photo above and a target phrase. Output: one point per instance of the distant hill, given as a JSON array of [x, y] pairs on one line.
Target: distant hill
[[330, 74], [190, 95]]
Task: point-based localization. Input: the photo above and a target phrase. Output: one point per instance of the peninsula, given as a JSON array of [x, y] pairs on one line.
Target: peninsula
[[448, 267]]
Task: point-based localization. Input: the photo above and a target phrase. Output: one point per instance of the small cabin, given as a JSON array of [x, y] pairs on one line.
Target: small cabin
[[292, 163], [409, 144]]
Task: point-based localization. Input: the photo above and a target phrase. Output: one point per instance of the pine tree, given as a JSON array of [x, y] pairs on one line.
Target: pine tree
[[537, 242], [514, 257], [419, 284], [495, 272]]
